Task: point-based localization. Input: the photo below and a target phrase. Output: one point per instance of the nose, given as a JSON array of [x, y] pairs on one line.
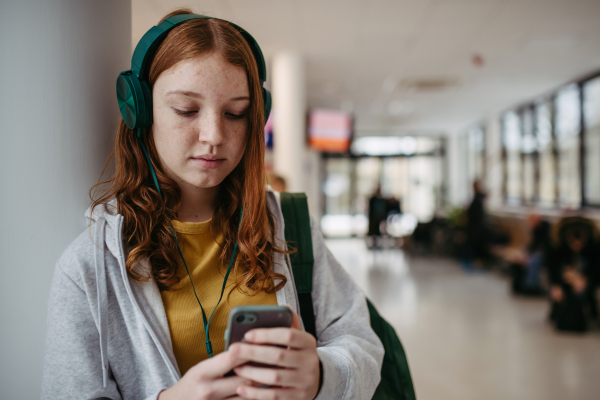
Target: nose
[[211, 128]]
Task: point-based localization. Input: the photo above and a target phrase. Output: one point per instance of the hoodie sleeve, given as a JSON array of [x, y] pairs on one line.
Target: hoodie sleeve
[[72, 367], [350, 352]]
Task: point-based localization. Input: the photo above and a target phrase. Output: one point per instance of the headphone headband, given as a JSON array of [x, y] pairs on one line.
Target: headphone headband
[[151, 40], [154, 37], [133, 90]]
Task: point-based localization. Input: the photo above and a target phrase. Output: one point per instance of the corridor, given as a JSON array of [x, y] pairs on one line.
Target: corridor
[[466, 337]]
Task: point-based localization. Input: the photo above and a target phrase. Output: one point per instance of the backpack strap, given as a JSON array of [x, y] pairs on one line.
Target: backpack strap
[[294, 207]]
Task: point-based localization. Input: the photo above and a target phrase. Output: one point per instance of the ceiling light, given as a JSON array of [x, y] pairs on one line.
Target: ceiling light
[[429, 84], [385, 146]]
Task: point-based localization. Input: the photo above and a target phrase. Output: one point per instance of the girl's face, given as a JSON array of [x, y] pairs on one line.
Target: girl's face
[[200, 109]]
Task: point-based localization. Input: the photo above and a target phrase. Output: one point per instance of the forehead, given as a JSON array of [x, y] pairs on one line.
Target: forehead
[[208, 74]]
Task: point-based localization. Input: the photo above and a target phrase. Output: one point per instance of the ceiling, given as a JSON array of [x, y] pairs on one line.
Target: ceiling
[[416, 66]]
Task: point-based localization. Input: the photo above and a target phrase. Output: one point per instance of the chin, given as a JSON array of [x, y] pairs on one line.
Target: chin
[[206, 183]]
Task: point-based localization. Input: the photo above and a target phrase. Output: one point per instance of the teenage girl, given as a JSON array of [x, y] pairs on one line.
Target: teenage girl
[[188, 226]]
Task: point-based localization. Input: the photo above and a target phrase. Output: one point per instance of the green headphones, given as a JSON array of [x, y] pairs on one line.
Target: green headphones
[[133, 90]]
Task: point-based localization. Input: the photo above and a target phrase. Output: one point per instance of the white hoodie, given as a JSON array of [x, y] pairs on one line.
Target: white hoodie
[[108, 337]]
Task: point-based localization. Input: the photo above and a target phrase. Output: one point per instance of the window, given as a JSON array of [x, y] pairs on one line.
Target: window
[[337, 186], [567, 121], [368, 178], [529, 156], [511, 141], [476, 138], [591, 112], [545, 148]]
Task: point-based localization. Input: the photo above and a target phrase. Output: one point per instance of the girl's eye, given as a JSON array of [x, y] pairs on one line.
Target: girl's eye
[[235, 116], [185, 113]]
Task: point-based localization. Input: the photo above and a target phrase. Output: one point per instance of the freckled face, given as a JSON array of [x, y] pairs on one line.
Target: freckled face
[[200, 109]]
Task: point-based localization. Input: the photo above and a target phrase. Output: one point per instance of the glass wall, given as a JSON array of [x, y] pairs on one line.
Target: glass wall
[[567, 121], [337, 186], [416, 181], [511, 141], [591, 112], [545, 148], [529, 157], [551, 149], [368, 179], [476, 140]]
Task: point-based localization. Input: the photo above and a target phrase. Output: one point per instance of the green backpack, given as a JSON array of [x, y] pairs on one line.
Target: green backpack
[[396, 382]]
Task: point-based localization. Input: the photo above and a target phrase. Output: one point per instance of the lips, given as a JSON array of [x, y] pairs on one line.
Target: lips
[[208, 161]]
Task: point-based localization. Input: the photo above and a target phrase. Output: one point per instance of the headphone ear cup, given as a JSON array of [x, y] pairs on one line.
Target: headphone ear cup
[[135, 100], [267, 102], [127, 99]]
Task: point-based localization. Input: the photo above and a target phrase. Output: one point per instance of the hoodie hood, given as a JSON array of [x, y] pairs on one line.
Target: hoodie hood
[[105, 217], [106, 225]]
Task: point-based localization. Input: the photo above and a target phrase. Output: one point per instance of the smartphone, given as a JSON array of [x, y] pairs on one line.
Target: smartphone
[[244, 318]]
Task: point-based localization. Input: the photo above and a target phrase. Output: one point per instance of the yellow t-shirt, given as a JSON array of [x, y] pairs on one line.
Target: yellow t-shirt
[[201, 252]]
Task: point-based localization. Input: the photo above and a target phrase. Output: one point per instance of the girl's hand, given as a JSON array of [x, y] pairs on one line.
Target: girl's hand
[[296, 374], [205, 380]]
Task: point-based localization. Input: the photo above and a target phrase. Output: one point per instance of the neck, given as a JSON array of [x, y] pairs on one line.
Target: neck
[[197, 204]]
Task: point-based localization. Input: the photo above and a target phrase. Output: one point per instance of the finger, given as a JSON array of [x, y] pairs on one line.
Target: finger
[[271, 355], [273, 376], [218, 365], [224, 387], [296, 324], [282, 336], [253, 393]]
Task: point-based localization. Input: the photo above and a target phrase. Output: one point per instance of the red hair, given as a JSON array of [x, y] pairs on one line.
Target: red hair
[[146, 230]]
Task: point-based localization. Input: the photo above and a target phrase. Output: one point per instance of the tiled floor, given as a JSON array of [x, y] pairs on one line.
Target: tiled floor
[[466, 337]]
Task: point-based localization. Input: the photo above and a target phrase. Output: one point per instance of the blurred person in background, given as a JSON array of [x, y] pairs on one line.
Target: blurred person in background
[[573, 270], [378, 211], [277, 182], [393, 206], [527, 267], [477, 232]]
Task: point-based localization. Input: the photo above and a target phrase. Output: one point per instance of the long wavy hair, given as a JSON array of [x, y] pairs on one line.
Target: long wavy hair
[[146, 229]]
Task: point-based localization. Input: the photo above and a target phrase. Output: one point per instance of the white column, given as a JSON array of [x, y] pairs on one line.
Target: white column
[[289, 130], [58, 116], [459, 191]]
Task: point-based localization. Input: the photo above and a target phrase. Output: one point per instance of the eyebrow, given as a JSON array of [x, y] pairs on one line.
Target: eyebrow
[[199, 95]]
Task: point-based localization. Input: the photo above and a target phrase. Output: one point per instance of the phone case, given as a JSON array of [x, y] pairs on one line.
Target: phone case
[[244, 318]]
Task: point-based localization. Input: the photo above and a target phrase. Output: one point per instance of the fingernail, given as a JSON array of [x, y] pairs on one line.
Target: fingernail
[[249, 335]]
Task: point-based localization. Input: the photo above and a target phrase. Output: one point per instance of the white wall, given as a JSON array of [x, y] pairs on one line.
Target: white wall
[[58, 115]]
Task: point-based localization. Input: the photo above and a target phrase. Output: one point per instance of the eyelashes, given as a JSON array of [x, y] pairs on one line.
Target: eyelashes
[[236, 116], [192, 112], [184, 113]]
